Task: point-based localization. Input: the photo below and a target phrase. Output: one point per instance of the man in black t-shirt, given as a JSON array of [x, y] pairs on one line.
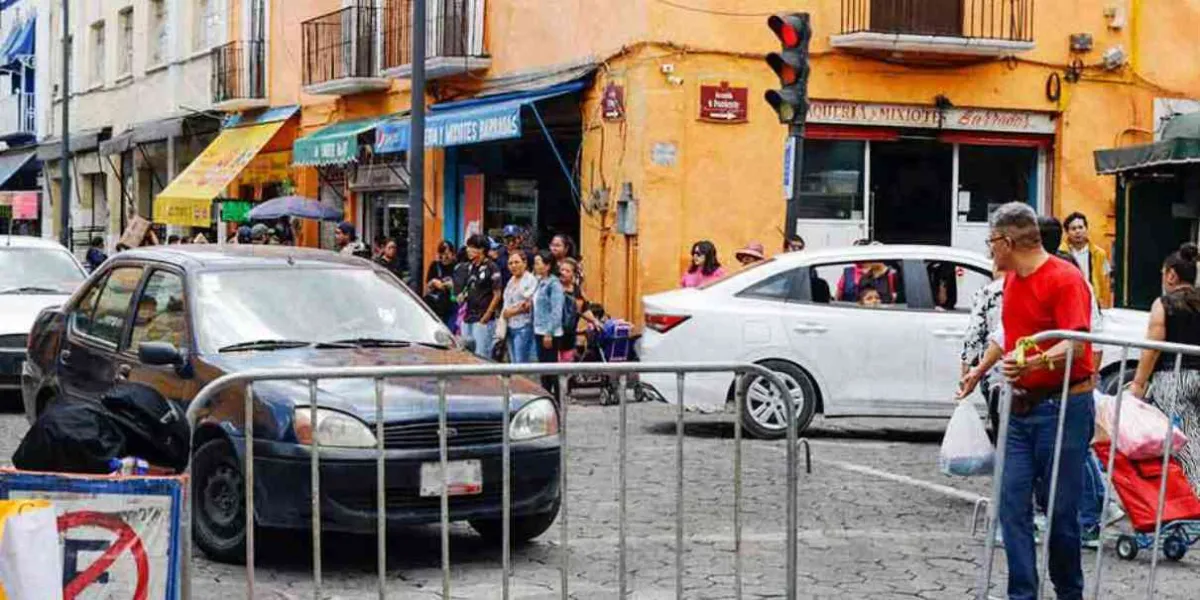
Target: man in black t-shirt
[[483, 294]]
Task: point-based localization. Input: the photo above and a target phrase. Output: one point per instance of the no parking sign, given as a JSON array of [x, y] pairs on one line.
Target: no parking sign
[[120, 535]]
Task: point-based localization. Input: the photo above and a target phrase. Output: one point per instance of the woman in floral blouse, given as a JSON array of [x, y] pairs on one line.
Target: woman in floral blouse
[[983, 325]]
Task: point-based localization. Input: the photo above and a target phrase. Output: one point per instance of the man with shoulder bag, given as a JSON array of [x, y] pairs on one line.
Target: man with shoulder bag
[[1041, 293]]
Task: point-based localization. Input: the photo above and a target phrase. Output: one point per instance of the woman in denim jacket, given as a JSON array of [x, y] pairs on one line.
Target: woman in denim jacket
[[547, 313]]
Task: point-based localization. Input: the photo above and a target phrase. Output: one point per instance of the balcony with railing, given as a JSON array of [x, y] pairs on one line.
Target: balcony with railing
[[453, 39], [936, 29], [239, 76], [341, 51], [17, 116]]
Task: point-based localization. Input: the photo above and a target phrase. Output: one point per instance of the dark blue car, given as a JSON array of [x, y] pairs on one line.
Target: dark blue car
[[178, 317]]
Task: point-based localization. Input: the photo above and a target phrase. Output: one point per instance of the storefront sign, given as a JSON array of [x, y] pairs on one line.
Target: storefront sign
[[235, 211], [613, 102], [454, 128], [930, 117], [183, 212], [722, 103], [789, 163]]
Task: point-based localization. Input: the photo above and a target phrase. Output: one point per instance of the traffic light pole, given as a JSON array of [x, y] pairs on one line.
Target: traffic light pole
[[416, 154], [796, 133]]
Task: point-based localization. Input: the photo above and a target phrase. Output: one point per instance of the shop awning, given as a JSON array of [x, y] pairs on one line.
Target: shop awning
[[1180, 145], [187, 201], [471, 121], [83, 141], [11, 162], [334, 145], [19, 43]]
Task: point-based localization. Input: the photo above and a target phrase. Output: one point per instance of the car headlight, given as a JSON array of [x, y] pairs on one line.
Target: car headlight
[[536, 419], [333, 428]]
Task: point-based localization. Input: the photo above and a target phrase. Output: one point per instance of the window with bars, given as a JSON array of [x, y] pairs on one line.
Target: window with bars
[[157, 32], [125, 42], [97, 54]]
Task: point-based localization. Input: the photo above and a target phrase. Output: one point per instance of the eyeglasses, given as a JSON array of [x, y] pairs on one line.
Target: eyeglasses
[[994, 239]]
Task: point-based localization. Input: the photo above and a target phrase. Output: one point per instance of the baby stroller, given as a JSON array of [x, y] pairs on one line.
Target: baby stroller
[[612, 343], [1137, 484]]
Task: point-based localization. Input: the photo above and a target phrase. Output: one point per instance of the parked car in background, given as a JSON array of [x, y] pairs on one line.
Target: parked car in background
[[178, 317], [34, 274], [838, 357]]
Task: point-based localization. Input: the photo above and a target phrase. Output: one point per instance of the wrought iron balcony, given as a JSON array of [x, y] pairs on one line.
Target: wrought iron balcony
[[239, 75], [341, 51], [453, 40], [936, 29]]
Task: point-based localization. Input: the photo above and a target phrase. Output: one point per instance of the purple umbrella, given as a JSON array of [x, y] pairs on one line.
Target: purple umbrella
[[297, 207]]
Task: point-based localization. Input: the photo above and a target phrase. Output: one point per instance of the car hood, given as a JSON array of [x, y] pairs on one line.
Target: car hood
[[405, 399], [1126, 323], [19, 311]]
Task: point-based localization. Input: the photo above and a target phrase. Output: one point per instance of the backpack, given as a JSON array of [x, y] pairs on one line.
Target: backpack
[[155, 428], [570, 321], [71, 437]]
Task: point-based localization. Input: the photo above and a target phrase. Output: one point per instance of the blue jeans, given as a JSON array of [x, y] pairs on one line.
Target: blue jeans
[[1091, 494], [1027, 467], [482, 334], [520, 345]]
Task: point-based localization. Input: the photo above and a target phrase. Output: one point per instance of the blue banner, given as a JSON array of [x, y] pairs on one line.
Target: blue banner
[[475, 125]]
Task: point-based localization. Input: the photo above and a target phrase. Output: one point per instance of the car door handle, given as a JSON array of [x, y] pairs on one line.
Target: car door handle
[[809, 328], [64, 357], [122, 373], [956, 334]]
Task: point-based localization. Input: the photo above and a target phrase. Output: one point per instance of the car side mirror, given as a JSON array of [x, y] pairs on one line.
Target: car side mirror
[[159, 354]]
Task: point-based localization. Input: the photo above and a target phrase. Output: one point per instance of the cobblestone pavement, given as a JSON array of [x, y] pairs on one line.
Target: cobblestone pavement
[[876, 521]]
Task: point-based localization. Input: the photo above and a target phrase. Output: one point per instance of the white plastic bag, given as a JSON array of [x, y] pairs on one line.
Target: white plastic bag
[[966, 450], [30, 557], [1142, 428]]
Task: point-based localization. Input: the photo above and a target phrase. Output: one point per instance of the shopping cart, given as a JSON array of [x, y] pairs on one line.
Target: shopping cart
[[611, 343], [1137, 484]]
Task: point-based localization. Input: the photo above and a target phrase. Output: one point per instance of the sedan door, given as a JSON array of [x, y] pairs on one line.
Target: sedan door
[[87, 363], [863, 355], [161, 317], [952, 287]]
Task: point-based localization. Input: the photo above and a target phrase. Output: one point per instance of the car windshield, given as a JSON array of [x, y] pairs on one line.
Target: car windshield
[[38, 270], [281, 308]]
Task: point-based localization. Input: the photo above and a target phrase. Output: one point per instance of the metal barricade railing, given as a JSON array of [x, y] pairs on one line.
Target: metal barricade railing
[[1179, 350], [744, 374]]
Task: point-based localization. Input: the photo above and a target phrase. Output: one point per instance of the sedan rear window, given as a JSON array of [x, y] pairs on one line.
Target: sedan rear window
[[38, 270], [306, 306]]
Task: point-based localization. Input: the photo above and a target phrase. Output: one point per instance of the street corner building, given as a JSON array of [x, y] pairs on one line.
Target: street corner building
[[635, 127]]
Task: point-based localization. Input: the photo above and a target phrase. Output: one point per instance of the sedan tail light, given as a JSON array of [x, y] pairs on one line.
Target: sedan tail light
[[664, 323]]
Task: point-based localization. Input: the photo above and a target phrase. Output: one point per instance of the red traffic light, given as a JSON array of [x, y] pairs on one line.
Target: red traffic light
[[793, 29]]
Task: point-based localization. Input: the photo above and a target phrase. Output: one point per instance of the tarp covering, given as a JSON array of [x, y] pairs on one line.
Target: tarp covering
[[11, 162], [187, 201], [1180, 145]]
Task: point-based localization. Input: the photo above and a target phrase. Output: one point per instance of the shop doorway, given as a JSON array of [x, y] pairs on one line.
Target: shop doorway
[[911, 183]]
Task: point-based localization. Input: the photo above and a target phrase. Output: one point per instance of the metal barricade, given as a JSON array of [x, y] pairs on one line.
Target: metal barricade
[[1179, 350], [744, 374]]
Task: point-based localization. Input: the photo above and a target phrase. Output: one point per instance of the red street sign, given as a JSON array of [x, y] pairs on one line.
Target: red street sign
[[722, 103], [127, 541], [613, 102]]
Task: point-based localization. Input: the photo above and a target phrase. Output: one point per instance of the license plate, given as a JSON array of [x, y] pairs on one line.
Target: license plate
[[465, 478]]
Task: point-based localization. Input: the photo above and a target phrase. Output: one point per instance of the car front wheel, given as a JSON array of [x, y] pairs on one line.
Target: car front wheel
[[764, 415], [219, 517], [522, 530]]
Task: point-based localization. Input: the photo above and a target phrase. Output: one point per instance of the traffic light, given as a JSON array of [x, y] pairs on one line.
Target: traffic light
[[791, 65]]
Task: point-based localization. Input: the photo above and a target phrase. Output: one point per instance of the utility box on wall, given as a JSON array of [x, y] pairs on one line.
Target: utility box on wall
[[627, 211]]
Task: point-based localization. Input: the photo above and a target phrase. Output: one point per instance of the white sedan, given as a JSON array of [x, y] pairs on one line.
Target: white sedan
[[34, 274], [838, 356]]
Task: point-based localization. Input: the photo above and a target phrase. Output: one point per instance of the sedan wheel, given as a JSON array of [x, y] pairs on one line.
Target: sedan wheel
[[219, 520], [764, 414]]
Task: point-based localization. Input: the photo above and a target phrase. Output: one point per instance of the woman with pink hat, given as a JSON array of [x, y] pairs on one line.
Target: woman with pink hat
[[752, 253]]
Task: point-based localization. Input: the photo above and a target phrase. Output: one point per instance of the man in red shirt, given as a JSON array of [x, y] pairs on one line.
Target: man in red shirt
[[1042, 293]]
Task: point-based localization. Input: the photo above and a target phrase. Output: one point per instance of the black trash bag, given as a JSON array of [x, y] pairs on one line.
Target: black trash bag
[[71, 437], [155, 428]]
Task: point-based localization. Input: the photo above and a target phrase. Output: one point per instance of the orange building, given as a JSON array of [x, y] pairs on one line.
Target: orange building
[[638, 127]]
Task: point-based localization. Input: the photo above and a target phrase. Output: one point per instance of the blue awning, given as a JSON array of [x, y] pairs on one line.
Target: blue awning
[[20, 42], [473, 121]]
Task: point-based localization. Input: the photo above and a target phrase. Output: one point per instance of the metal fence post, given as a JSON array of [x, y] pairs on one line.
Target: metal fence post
[[993, 519], [445, 510], [564, 514], [315, 491], [248, 428], [1052, 499], [622, 576], [1108, 471], [1167, 447], [739, 401], [380, 491], [679, 487], [506, 491]]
